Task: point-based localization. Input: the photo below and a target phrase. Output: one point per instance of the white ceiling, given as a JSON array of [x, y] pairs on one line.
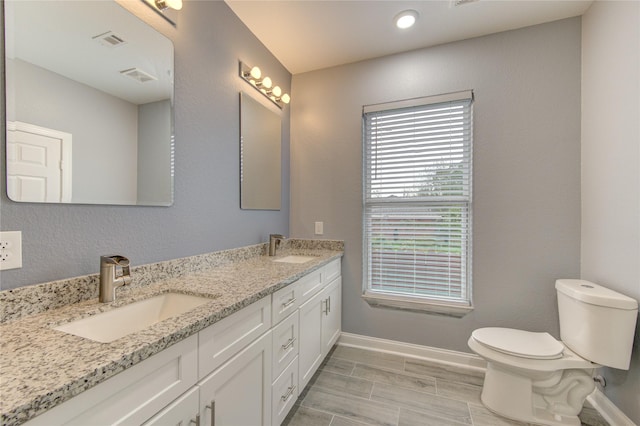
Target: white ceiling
[[306, 35]]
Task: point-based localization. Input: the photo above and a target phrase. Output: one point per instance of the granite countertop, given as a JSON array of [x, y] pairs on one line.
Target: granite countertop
[[41, 367]]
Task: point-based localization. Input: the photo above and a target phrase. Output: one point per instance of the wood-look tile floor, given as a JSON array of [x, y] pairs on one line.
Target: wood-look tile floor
[[356, 387]]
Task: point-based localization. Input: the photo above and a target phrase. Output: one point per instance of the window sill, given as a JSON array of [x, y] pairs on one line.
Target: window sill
[[416, 305]]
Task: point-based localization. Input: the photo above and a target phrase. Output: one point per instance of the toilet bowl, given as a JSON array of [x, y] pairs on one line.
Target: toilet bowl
[[534, 378]]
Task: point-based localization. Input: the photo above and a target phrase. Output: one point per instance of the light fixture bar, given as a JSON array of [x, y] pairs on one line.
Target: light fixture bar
[[264, 85]]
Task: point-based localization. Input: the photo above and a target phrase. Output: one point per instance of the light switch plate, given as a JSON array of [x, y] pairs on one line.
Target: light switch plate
[[319, 228], [10, 250]]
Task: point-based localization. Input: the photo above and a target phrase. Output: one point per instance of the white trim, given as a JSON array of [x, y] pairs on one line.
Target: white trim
[[426, 100], [608, 409], [445, 356], [416, 304]]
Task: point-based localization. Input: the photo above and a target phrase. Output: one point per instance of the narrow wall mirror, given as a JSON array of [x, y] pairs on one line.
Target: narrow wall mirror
[[89, 93], [260, 156]]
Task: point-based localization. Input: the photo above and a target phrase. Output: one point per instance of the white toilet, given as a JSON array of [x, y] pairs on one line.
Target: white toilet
[[534, 378]]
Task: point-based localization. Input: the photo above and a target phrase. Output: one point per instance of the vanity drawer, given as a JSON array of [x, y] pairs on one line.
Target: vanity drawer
[[284, 393], [285, 301], [310, 284], [222, 340], [331, 271], [134, 395], [285, 343]]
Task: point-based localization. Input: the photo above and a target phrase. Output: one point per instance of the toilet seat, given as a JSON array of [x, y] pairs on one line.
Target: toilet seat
[[520, 343]]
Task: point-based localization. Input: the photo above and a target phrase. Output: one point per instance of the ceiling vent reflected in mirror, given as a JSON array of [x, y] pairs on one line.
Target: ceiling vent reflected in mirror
[[109, 39], [138, 75]]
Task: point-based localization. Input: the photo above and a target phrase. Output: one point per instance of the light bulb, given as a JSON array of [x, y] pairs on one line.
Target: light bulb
[[406, 19], [285, 98], [174, 4], [255, 73], [266, 83], [277, 91]]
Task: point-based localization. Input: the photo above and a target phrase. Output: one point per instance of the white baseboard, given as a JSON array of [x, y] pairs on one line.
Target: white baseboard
[[598, 400], [608, 409], [459, 359]]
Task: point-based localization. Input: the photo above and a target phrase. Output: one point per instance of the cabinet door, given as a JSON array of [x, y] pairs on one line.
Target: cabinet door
[[332, 314], [239, 392], [180, 412], [310, 337]]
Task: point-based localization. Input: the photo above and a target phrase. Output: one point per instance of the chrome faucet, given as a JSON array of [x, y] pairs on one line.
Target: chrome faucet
[[274, 241], [114, 273]]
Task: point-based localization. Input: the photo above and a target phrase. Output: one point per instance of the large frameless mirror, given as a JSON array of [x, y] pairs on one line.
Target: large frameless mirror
[[89, 93], [260, 156]]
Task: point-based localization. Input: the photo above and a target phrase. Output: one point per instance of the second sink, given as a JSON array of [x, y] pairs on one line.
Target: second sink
[[294, 259], [119, 322]]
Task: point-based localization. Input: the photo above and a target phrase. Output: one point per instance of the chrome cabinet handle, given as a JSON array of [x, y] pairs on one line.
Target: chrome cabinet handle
[[289, 302], [324, 310], [288, 394], [329, 304], [196, 421], [212, 407], [289, 343]]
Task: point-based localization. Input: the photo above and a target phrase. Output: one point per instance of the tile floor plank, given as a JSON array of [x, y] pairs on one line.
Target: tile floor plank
[[351, 386], [352, 408], [363, 356], [377, 374], [438, 406]]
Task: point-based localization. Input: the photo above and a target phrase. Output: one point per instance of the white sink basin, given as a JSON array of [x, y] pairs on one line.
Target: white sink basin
[[294, 259], [111, 325]]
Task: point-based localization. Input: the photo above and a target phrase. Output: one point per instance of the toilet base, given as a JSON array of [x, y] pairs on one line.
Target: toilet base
[[549, 398]]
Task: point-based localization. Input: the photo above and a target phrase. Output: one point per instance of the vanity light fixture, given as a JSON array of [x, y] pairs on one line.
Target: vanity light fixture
[[168, 9], [253, 76], [166, 4], [406, 19]]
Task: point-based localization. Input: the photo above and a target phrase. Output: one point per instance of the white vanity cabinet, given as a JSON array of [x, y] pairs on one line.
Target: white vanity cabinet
[[246, 369], [133, 396], [320, 319]]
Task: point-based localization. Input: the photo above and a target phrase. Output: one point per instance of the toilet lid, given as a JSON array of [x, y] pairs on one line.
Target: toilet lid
[[525, 344]]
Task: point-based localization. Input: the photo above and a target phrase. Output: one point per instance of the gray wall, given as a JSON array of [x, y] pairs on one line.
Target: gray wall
[[526, 201], [611, 168], [66, 240]]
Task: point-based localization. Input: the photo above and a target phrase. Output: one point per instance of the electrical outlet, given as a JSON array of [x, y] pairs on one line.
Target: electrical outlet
[[319, 228], [10, 250]]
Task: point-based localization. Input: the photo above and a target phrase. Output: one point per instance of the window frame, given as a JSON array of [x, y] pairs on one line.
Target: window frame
[[406, 301]]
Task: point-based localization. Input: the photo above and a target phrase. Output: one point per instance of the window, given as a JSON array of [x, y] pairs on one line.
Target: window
[[417, 203]]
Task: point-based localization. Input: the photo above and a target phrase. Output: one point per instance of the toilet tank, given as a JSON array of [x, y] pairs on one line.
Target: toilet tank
[[597, 323]]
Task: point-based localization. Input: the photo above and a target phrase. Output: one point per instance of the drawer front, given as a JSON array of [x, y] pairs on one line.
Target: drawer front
[[134, 395], [222, 340], [181, 412], [310, 284], [331, 271], [284, 393], [284, 302], [285, 343]]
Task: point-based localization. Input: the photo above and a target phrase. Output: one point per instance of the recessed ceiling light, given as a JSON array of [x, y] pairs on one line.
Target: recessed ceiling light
[[406, 18]]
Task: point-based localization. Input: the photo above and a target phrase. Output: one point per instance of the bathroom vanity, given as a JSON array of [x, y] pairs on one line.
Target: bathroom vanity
[[240, 358]]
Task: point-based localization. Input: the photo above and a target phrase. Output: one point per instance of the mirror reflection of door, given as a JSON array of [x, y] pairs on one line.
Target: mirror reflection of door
[[38, 164]]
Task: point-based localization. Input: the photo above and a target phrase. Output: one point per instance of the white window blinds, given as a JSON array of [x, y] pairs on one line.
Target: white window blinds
[[417, 198]]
